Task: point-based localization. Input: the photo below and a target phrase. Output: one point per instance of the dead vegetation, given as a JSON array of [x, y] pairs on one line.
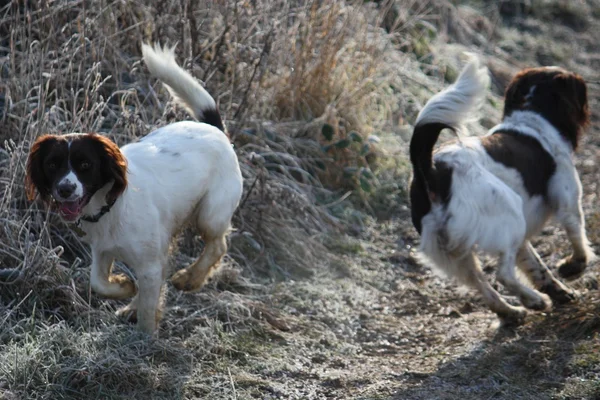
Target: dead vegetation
[[319, 296]]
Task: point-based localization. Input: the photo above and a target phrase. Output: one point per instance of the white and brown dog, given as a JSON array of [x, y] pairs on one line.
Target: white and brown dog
[[129, 202], [494, 193]]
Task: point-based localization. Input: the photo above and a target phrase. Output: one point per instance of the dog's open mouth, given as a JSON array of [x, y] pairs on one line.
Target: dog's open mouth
[[71, 210]]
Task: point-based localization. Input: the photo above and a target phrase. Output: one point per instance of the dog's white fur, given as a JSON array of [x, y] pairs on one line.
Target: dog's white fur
[[182, 86], [489, 208], [459, 102], [186, 172]]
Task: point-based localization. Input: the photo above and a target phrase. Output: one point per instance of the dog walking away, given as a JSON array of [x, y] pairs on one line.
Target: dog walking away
[[494, 193], [129, 202]]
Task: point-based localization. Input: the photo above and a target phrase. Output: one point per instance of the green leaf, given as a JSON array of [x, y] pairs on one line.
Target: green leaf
[[326, 148], [350, 171], [365, 185], [365, 149], [342, 144], [355, 137], [327, 131], [367, 173]]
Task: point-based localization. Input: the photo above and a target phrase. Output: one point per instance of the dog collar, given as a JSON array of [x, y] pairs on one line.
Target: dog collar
[[76, 227], [96, 217]]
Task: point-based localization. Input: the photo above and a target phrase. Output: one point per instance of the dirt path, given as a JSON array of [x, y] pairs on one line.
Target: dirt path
[[388, 328], [383, 327]]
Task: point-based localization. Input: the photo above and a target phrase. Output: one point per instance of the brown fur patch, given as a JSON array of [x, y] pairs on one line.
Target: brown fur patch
[[129, 288], [35, 179], [526, 155], [556, 94], [109, 164]]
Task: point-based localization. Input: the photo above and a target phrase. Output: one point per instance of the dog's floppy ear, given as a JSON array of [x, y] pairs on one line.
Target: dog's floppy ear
[[35, 179], [516, 93], [574, 104], [578, 93], [114, 166]]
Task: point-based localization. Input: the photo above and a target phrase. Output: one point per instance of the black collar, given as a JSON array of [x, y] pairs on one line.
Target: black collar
[[96, 217], [76, 227]]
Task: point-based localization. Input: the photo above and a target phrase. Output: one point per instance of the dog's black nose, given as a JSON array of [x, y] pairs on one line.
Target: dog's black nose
[[65, 190]]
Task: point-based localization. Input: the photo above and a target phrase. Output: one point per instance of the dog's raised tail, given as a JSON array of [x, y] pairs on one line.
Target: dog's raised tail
[[184, 88], [451, 109]]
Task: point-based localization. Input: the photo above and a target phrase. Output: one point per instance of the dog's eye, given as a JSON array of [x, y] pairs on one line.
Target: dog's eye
[[51, 166], [85, 166]]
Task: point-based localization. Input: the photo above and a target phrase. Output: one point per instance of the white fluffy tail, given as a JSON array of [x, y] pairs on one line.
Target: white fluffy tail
[[184, 88], [459, 102]]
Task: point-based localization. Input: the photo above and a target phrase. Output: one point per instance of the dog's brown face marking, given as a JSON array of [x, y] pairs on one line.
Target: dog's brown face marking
[[556, 94], [526, 155], [90, 160]]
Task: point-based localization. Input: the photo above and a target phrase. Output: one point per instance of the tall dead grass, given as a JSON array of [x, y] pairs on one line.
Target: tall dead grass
[[278, 69]]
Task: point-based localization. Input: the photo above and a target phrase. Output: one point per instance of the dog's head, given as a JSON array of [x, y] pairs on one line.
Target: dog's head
[[556, 94], [71, 168]]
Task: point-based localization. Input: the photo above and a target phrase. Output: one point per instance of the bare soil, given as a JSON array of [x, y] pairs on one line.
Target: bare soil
[[321, 296]]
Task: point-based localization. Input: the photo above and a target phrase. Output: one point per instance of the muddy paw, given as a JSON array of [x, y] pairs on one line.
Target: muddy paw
[[182, 280], [128, 288], [560, 294], [537, 303], [571, 268], [127, 314], [187, 282], [512, 319]]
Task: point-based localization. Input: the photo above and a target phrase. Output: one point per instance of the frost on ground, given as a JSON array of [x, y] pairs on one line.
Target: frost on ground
[[320, 295]]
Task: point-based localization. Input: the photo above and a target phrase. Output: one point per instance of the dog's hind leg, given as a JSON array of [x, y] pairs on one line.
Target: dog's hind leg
[[213, 221], [532, 265], [507, 275], [574, 223], [196, 275], [471, 274]]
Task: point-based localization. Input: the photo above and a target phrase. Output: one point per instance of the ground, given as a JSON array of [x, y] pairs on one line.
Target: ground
[[321, 295]]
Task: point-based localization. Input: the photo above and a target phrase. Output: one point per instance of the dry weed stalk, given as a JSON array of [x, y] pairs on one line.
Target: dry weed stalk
[[73, 66]]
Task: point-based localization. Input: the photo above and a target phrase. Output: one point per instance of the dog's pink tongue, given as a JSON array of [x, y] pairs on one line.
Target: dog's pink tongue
[[70, 208]]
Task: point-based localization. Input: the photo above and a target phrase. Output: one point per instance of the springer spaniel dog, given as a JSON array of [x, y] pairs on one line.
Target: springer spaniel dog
[[129, 202], [493, 193]]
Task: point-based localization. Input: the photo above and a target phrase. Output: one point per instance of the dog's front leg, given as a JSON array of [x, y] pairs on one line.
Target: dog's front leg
[[149, 302], [574, 224], [103, 283]]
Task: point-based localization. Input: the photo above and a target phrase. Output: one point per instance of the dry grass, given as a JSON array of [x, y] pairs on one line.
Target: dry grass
[[278, 70], [297, 300]]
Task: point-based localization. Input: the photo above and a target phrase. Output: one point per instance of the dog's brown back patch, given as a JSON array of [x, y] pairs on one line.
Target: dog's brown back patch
[[526, 155]]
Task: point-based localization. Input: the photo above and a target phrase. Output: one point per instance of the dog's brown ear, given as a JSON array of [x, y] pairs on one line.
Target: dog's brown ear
[[580, 92], [516, 93], [573, 91], [35, 179], [114, 166]]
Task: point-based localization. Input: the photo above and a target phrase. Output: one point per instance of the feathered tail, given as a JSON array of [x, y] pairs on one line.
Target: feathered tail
[[184, 88]]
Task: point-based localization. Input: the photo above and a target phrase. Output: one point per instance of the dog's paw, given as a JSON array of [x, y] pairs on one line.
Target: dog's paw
[[513, 318], [182, 280], [127, 314], [571, 268], [185, 281], [128, 288], [538, 302], [560, 294]]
